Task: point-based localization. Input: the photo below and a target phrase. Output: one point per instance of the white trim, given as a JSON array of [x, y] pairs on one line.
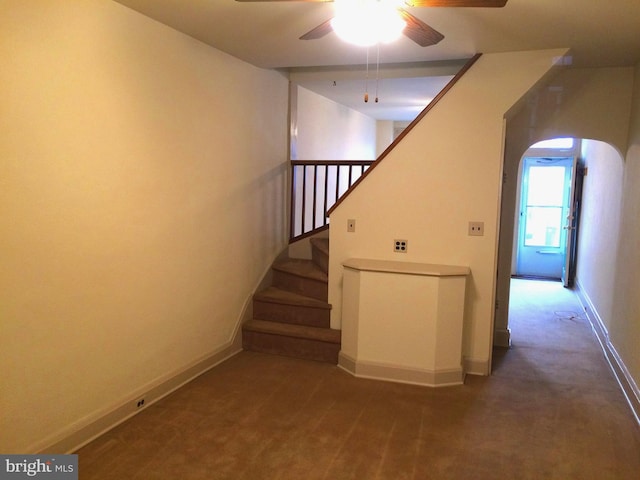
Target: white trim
[[400, 374], [620, 372], [474, 366]]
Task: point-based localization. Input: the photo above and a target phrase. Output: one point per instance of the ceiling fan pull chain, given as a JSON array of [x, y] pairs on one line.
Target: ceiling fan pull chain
[[377, 71], [366, 80]]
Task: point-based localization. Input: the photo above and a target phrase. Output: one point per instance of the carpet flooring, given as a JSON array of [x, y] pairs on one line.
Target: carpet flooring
[[551, 410]]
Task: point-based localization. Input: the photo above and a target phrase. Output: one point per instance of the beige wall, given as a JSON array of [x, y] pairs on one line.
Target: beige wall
[[142, 183], [592, 103], [609, 258], [600, 225], [329, 131], [445, 173], [601, 104], [624, 326]]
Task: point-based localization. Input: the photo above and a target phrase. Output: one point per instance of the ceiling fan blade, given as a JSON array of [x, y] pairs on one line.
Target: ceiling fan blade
[[418, 31], [457, 3], [318, 32]]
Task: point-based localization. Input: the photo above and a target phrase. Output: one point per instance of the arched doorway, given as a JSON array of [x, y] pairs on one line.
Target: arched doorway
[[547, 211], [594, 250]]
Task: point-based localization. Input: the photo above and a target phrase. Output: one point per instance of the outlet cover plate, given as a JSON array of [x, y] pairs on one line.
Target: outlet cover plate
[[400, 246]]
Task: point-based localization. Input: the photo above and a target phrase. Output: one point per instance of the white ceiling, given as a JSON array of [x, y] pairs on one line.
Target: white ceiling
[[399, 99], [403, 90], [265, 34]]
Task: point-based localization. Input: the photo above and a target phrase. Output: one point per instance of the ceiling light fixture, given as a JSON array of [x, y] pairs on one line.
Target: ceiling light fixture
[[368, 22]]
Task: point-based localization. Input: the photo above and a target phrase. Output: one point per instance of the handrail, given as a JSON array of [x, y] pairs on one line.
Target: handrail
[[315, 186], [420, 116]]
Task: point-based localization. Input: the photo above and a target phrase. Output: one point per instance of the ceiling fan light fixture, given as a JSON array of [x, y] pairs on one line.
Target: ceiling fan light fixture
[[367, 22]]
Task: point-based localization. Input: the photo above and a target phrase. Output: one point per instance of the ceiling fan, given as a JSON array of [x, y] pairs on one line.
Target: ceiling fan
[[412, 27]]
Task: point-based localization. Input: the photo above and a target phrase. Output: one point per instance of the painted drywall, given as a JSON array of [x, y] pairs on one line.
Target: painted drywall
[[327, 130], [624, 327], [583, 103], [384, 135], [600, 225], [445, 173], [142, 197]]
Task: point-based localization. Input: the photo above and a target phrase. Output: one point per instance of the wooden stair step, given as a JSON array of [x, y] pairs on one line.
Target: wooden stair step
[[300, 276], [279, 305], [321, 244], [326, 335], [310, 343], [292, 317], [285, 297], [301, 268]]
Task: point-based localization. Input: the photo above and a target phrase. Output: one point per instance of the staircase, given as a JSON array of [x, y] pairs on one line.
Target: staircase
[[292, 316]]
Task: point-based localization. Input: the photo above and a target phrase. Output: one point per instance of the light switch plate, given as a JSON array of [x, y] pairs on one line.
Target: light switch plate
[[476, 229]]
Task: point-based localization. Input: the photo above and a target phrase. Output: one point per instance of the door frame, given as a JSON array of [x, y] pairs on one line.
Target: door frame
[[525, 254]]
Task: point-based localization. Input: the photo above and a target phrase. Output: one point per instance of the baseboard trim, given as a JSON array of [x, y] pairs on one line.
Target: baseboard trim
[[91, 427], [620, 372], [400, 374], [473, 366]]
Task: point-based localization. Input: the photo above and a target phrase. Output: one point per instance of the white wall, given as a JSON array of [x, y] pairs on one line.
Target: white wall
[[330, 131], [445, 173], [326, 130], [384, 135], [600, 225], [142, 197]]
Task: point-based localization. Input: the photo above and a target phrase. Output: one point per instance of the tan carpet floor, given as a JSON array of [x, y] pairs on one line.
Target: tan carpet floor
[[551, 410]]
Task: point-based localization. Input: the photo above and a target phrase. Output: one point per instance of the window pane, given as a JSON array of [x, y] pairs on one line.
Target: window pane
[[546, 186], [543, 227]]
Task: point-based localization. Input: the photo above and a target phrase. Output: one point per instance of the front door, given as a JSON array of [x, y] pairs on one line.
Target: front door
[[546, 216]]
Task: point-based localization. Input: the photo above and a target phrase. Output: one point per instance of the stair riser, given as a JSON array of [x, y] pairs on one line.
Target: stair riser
[[303, 286], [298, 315], [291, 347], [321, 259]]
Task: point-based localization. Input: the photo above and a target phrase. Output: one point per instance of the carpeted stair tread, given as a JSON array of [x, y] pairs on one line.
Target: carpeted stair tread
[[296, 331], [285, 297], [301, 268], [321, 244]]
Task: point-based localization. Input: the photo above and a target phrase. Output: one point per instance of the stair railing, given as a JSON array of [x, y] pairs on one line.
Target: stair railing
[[315, 187]]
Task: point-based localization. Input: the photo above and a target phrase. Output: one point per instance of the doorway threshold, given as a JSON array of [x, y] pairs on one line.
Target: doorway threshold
[[537, 277]]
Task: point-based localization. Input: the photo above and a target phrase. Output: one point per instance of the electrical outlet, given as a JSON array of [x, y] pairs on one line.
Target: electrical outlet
[[400, 246], [140, 403], [476, 229], [351, 225]]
